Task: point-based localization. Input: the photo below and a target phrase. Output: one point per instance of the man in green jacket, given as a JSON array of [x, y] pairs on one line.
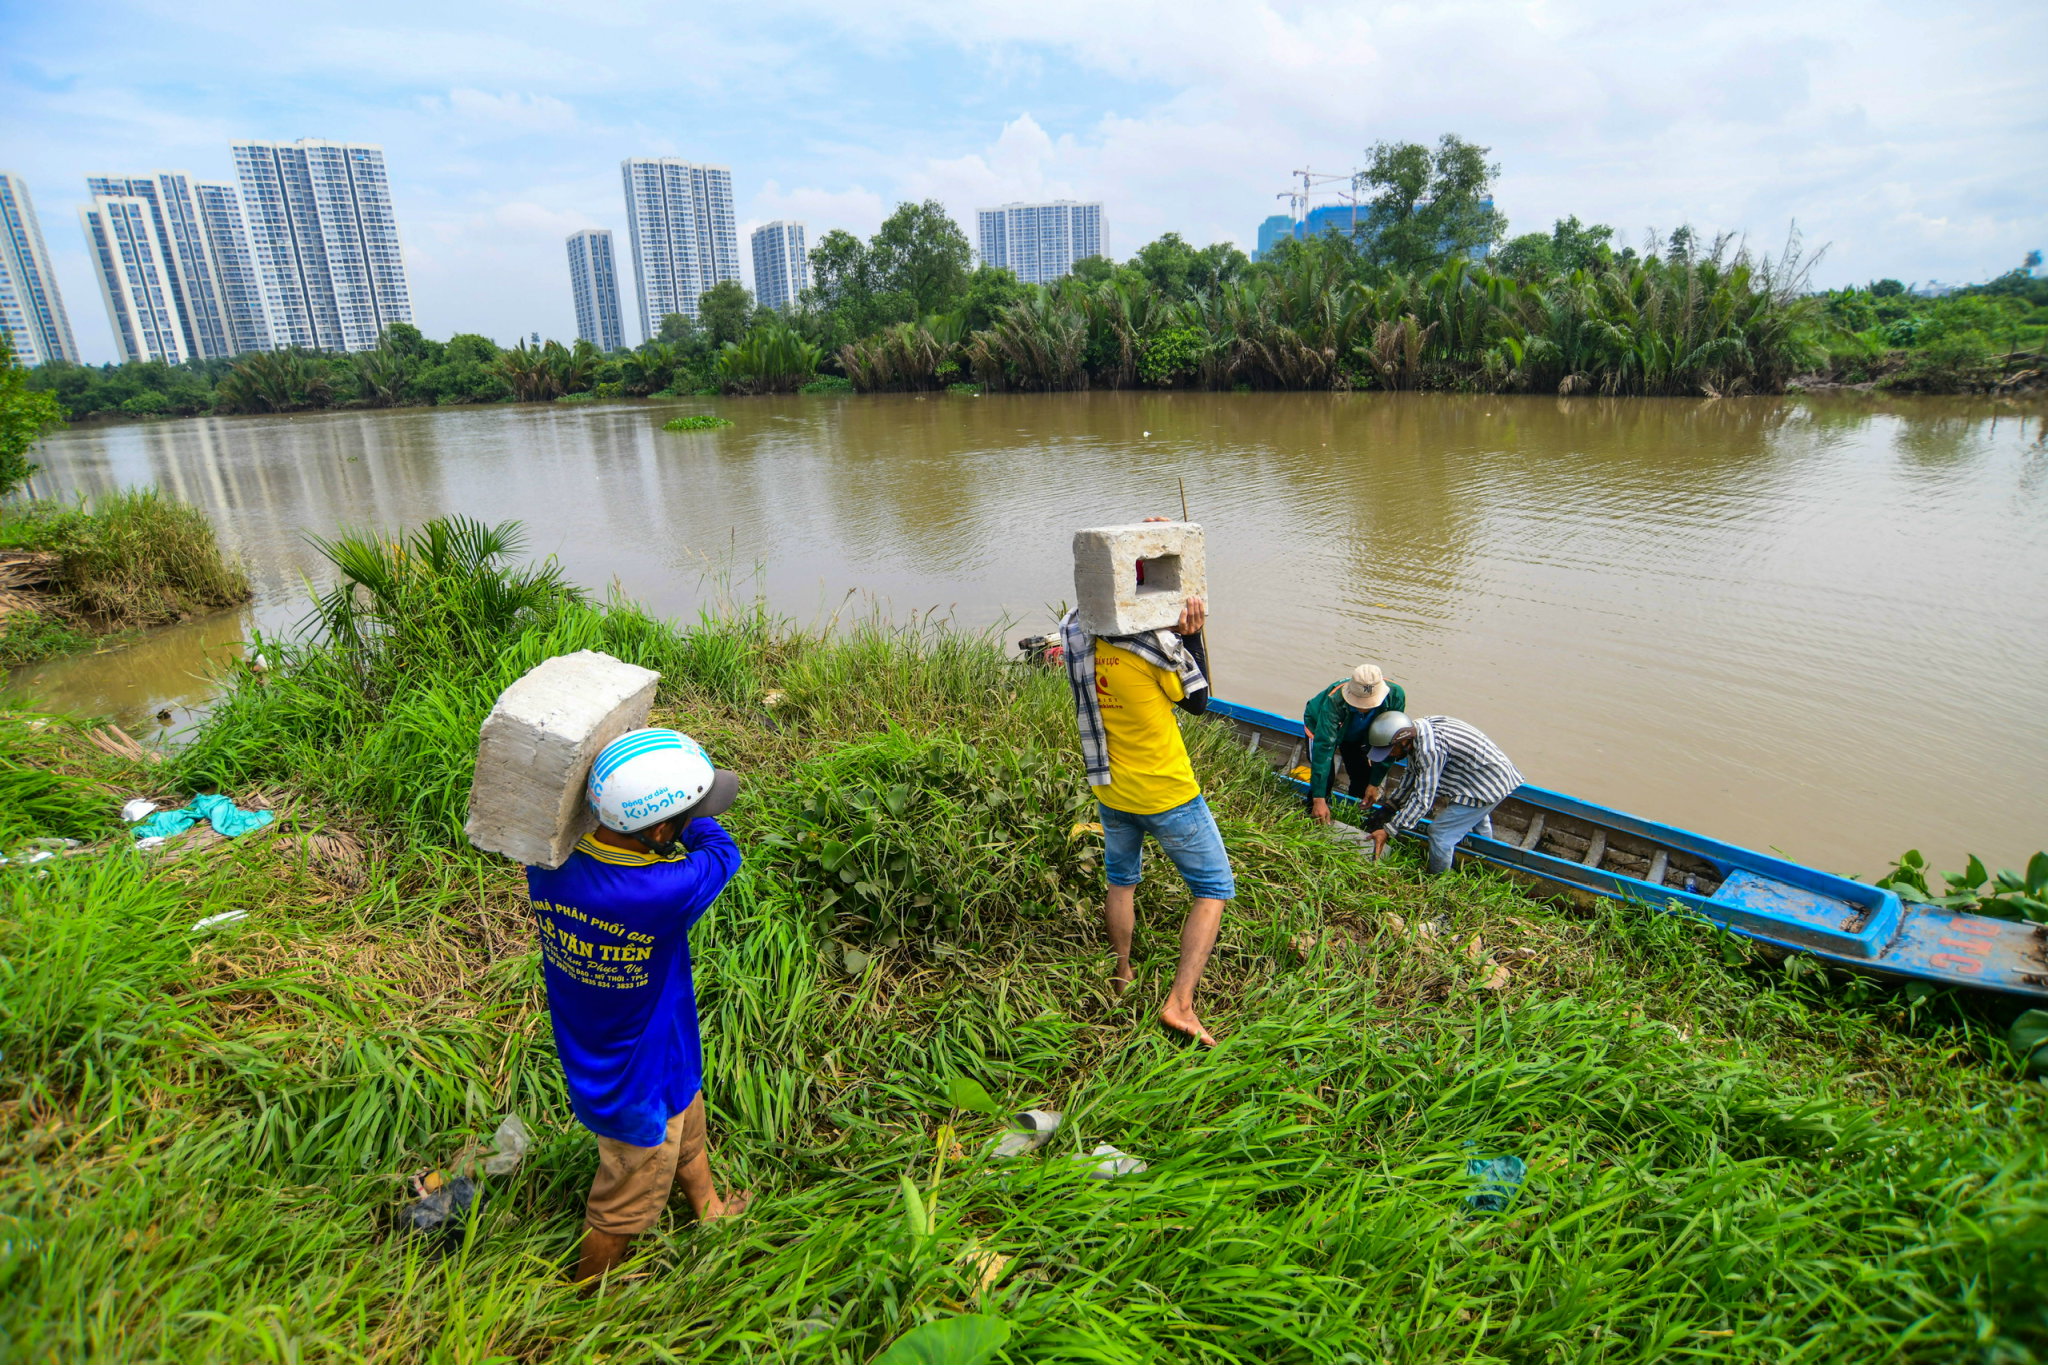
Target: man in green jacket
[[1336, 720]]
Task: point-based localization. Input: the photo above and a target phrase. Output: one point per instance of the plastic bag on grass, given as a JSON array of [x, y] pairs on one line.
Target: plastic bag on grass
[[1500, 1181]]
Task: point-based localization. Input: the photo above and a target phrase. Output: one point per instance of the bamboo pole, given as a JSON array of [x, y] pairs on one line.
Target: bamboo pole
[[1203, 633]]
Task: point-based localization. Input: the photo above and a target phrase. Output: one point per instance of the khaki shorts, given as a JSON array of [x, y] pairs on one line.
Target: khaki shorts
[[632, 1183]]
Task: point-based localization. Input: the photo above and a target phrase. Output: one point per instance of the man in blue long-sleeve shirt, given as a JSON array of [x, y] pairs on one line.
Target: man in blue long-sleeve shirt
[[614, 923]]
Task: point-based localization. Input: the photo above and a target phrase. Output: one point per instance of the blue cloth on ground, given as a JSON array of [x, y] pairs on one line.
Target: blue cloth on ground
[[227, 819], [1501, 1178], [615, 955]]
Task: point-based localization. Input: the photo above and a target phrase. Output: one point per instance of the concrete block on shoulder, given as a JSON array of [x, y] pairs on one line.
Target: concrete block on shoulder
[[535, 750], [1106, 588]]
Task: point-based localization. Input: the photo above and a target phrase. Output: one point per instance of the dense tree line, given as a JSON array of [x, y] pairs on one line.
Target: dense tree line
[[730, 348], [1427, 293]]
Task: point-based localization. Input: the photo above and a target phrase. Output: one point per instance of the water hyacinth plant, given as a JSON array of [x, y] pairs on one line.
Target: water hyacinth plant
[[210, 1133], [696, 421], [1976, 890]]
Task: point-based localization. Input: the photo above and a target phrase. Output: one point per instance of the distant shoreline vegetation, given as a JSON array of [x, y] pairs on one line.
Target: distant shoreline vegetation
[[1429, 294]]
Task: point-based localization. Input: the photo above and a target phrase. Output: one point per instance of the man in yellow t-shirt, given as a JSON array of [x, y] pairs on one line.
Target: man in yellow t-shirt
[[1150, 788]]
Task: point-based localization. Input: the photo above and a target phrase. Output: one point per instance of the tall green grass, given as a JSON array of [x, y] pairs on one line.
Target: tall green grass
[[208, 1135], [126, 560], [44, 792]]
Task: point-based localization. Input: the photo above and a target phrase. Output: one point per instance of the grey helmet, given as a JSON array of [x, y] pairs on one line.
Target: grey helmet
[[1385, 726]]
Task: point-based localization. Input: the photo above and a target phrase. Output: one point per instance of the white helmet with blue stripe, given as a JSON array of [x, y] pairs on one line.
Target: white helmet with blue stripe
[[647, 776]]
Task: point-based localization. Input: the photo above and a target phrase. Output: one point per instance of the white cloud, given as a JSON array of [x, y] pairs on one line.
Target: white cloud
[[857, 209], [506, 114]]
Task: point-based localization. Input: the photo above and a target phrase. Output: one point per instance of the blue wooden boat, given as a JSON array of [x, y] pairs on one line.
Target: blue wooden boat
[[1575, 846]]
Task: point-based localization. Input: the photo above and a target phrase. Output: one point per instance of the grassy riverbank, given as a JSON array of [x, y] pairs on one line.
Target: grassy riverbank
[[124, 562], [208, 1133]]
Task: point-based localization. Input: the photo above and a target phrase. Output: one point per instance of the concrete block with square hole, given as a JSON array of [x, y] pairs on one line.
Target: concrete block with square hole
[[535, 751], [1107, 586]]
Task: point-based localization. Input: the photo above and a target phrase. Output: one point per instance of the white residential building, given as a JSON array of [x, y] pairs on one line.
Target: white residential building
[[594, 279], [325, 241], [679, 218], [236, 281], [181, 250], [135, 277], [31, 310], [1040, 242], [782, 269]]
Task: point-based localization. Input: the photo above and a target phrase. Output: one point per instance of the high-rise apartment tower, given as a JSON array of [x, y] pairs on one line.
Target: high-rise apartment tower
[[782, 269], [594, 279], [137, 277], [202, 253], [31, 310], [325, 241], [679, 218], [1040, 242], [236, 282]]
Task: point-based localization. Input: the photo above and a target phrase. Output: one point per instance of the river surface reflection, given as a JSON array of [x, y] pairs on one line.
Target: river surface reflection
[[1818, 625]]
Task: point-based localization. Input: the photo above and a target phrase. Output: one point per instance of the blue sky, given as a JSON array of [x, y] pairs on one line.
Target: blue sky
[[1908, 139]]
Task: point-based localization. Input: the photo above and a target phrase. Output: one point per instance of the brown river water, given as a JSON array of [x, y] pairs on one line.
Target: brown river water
[[1818, 625]]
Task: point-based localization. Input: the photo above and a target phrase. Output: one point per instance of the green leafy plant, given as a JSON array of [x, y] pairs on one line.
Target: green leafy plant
[[964, 1092], [2029, 1041], [968, 1339], [887, 832], [2004, 895], [828, 383], [770, 359], [276, 381], [1171, 356], [696, 421], [25, 414]]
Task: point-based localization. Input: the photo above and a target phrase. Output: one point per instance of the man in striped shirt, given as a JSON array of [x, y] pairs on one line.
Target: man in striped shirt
[[1451, 759]]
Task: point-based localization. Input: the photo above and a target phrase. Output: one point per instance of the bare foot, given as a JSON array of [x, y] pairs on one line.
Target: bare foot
[[1182, 1020], [1120, 980], [732, 1206]]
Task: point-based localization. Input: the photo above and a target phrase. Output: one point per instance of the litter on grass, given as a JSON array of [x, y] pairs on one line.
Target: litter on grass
[[41, 851], [215, 921], [442, 1197], [510, 1143], [1111, 1163], [1033, 1129], [228, 819], [1501, 1180], [450, 1199]]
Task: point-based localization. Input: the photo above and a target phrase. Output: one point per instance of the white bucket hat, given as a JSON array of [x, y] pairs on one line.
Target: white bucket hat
[[1367, 688]]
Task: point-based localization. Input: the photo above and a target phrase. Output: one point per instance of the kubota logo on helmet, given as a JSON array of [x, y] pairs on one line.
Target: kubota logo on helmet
[[645, 776], [652, 804]]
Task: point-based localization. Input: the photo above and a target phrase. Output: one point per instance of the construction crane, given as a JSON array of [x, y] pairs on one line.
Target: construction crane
[[1315, 183]]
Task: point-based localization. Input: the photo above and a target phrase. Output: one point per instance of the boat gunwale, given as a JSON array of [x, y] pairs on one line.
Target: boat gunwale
[[1884, 929]]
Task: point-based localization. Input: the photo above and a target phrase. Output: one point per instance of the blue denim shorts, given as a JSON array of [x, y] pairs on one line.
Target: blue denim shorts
[[1187, 834]]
